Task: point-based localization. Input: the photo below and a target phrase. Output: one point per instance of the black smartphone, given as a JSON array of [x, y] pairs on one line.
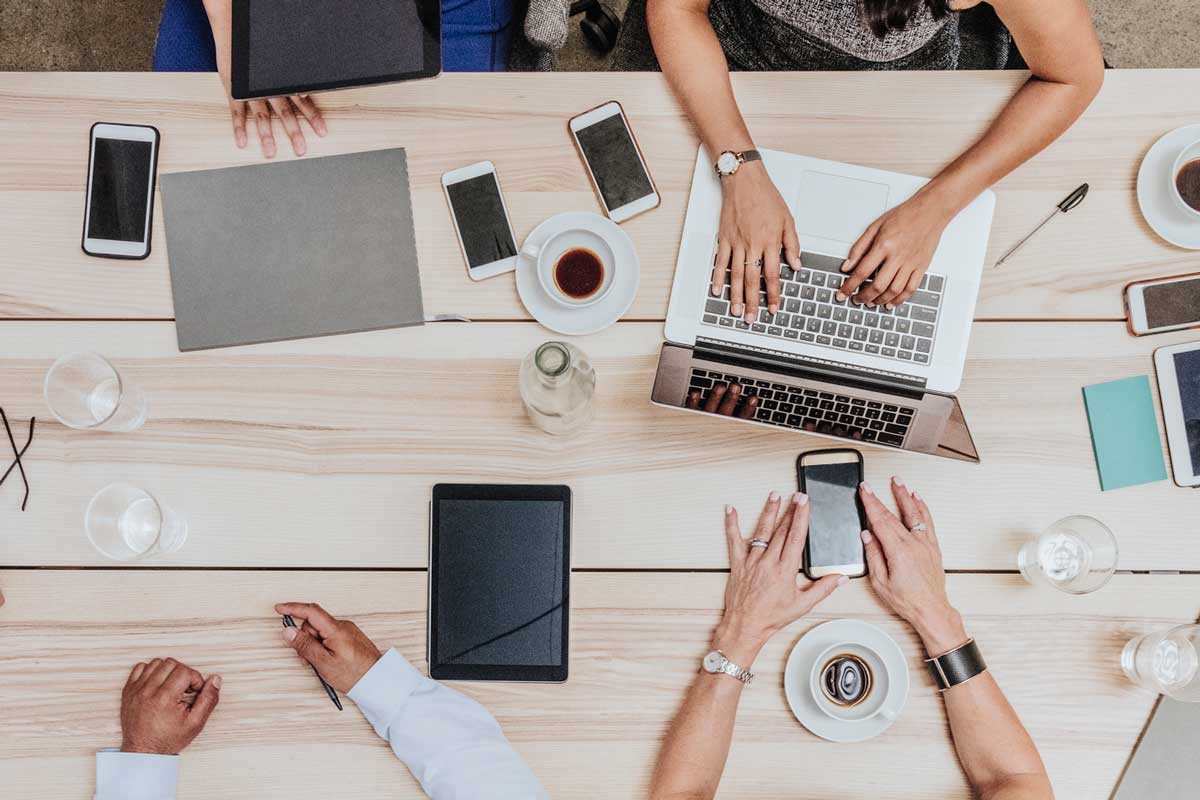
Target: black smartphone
[[119, 207], [836, 518]]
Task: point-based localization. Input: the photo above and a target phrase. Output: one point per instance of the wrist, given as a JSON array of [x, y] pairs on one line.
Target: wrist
[[941, 630], [739, 642], [132, 746]]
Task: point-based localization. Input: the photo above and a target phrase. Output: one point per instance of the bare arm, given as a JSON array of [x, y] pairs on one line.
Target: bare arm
[[761, 598], [997, 753], [1060, 45]]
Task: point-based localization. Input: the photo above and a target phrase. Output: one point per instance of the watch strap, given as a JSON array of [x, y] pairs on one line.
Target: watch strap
[[733, 670], [956, 666], [749, 155]]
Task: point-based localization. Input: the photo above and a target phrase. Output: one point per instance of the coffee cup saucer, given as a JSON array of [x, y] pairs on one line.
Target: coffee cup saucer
[[800, 665], [580, 321], [1159, 207]]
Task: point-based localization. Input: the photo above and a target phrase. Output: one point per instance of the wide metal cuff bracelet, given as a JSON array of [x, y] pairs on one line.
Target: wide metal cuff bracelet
[[957, 666]]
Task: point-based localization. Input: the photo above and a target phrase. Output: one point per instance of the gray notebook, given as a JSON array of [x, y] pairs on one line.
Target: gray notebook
[[1164, 765], [310, 247]]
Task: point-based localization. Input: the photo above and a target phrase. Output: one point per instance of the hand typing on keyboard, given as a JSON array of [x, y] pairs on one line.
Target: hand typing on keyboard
[[896, 249], [723, 399]]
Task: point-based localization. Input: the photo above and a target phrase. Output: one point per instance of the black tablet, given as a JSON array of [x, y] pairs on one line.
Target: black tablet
[[499, 582], [285, 47]]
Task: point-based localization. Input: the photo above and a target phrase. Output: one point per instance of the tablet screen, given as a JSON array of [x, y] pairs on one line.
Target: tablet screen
[[290, 46], [499, 584], [1187, 374]]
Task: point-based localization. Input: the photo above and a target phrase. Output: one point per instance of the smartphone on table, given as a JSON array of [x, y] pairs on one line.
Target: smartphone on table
[[119, 206], [836, 518], [614, 161], [1163, 304], [481, 221]]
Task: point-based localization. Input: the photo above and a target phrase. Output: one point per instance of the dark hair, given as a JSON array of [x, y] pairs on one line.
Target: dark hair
[[885, 16]]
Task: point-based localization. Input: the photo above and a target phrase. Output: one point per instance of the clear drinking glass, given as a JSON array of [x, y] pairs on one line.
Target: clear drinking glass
[[86, 392], [557, 385], [126, 523], [1166, 662], [1076, 555]]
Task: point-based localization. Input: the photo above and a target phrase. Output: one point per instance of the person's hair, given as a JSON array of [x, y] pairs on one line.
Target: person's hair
[[885, 16]]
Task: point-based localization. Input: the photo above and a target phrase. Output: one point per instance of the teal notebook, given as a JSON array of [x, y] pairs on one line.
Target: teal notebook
[[1125, 432]]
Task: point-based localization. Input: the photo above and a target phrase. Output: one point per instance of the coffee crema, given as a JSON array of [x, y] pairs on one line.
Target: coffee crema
[[579, 273], [1187, 182], [846, 680]]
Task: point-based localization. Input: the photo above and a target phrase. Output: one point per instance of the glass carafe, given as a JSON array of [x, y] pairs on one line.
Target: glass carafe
[[557, 385]]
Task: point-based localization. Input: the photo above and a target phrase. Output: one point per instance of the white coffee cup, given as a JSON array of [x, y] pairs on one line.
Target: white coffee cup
[[877, 694], [547, 254], [1186, 156]]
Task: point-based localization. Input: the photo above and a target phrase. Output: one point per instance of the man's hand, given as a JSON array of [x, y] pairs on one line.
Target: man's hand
[[724, 399], [165, 706], [339, 650]]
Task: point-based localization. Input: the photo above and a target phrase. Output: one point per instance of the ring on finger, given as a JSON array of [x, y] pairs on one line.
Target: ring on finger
[[758, 262], [920, 527], [763, 543]]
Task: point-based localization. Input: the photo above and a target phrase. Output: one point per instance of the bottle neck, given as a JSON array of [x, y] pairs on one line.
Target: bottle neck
[[553, 363]]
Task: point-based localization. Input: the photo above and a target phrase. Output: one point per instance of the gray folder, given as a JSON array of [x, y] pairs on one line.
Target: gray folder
[[309, 247], [1164, 765]]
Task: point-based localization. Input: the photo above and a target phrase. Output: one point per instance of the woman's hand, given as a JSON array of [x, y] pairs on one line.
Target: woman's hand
[[756, 227], [338, 648], [290, 111], [896, 249], [905, 563], [762, 596]]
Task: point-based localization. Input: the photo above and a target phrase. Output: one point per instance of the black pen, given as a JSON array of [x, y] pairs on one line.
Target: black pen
[[1069, 202], [288, 622]]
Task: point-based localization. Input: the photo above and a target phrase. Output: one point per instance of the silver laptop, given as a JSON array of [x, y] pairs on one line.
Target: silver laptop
[[843, 370]]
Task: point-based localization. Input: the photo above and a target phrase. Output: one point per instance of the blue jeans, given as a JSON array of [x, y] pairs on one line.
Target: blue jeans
[[475, 36]]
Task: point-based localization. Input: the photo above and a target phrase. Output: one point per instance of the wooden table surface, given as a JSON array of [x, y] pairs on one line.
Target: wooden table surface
[[304, 468]]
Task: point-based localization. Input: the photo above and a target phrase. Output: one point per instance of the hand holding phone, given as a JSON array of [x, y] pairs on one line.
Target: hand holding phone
[[1163, 304], [831, 478], [119, 209], [614, 162]]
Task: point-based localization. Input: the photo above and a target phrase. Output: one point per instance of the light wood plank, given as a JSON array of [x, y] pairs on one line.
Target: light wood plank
[[911, 122], [68, 639], [322, 453]]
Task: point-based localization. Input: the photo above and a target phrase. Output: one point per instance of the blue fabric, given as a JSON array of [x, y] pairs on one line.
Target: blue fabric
[[476, 35]]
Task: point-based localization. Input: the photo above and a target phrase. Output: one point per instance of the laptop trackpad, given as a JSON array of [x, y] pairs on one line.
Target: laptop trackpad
[[836, 207]]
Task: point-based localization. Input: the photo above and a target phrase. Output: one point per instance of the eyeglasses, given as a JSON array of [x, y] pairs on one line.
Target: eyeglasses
[[16, 464]]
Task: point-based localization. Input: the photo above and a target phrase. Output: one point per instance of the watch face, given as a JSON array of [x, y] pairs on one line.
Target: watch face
[[713, 662], [727, 163]]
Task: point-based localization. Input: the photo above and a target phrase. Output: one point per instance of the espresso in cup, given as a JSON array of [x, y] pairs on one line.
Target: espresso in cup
[[579, 273], [1187, 183], [846, 680]]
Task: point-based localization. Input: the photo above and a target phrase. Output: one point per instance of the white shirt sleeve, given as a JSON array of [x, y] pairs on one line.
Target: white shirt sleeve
[[135, 776], [452, 745]]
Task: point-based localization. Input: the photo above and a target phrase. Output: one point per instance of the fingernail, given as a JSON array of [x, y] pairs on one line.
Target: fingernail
[[216, 681], [840, 297], [896, 480], [917, 496], [846, 265], [320, 128], [801, 499], [842, 580], [299, 145], [866, 487], [773, 308], [241, 138], [737, 309], [728, 509], [289, 634], [715, 290], [891, 307], [870, 305], [866, 537], [773, 497]]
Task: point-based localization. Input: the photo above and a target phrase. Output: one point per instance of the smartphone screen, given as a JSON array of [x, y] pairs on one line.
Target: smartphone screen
[[120, 189], [1171, 304], [835, 522], [481, 220], [612, 156]]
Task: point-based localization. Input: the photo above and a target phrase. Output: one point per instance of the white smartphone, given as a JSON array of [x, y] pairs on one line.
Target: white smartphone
[[481, 222], [119, 209], [614, 161], [1178, 370], [1163, 304], [836, 520]]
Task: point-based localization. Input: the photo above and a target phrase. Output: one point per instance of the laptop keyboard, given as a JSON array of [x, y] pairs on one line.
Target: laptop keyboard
[[830, 413], [810, 313]]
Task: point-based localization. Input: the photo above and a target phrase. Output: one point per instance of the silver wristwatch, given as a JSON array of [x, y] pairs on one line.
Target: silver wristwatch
[[716, 663]]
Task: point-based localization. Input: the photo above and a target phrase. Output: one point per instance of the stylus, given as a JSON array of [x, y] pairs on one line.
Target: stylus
[[1069, 202], [288, 622]]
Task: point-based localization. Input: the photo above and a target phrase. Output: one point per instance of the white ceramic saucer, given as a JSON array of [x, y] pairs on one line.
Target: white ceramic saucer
[[589, 319], [1160, 209], [799, 668]]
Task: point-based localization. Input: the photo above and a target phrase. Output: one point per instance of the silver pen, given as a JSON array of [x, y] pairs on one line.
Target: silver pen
[[1071, 200]]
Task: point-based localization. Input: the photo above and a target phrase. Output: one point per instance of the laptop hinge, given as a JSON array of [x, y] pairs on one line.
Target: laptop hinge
[[788, 363]]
